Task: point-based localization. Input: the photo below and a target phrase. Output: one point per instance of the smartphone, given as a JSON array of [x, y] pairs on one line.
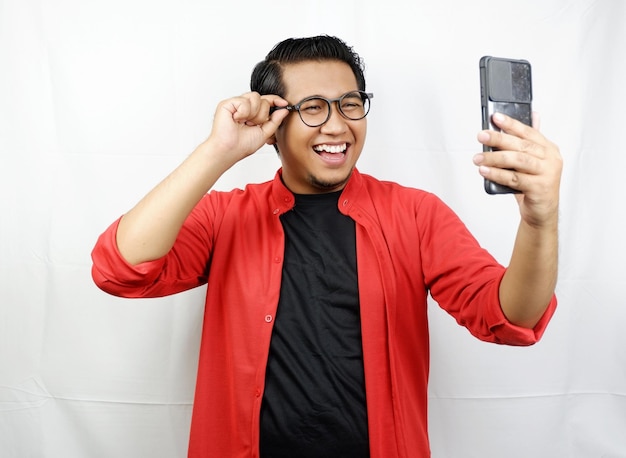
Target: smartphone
[[505, 87]]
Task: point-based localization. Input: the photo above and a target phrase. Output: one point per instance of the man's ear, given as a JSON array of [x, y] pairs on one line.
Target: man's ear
[[272, 141]]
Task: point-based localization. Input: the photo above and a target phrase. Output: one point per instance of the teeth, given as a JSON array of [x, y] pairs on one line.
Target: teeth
[[330, 148]]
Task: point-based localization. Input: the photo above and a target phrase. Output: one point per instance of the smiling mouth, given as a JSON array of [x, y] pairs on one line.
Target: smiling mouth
[[330, 149]]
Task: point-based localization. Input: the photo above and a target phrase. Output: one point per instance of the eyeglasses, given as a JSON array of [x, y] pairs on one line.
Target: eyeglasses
[[315, 111]]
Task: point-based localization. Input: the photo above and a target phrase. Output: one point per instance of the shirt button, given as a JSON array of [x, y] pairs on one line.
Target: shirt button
[[345, 202], [268, 318], [277, 259], [257, 392], [276, 210]]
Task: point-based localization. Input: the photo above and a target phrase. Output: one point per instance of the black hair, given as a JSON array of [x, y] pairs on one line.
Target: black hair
[[267, 74]]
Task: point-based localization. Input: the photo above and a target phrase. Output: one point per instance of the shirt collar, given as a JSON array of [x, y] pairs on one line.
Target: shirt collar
[[283, 198]]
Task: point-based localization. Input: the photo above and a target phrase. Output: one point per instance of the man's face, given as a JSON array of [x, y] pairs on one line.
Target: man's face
[[319, 159]]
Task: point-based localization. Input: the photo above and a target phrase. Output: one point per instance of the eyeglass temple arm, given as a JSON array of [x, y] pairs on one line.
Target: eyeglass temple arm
[[288, 107]]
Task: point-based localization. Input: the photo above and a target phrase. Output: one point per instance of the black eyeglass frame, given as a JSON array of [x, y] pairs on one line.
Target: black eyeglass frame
[[364, 95]]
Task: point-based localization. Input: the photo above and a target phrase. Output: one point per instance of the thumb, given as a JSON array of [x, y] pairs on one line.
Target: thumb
[[271, 126]]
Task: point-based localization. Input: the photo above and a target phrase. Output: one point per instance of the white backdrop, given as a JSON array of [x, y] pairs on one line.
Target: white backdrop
[[99, 100]]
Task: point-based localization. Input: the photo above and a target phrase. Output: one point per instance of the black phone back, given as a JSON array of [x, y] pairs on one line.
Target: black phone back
[[505, 87]]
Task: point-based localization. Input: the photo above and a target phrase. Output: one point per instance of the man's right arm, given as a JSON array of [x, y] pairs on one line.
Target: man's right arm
[[240, 127]]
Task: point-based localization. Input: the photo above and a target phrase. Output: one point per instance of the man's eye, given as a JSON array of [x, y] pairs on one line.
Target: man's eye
[[312, 107], [351, 105]]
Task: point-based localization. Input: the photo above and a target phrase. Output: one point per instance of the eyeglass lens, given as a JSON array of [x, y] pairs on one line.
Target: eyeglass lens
[[315, 111]]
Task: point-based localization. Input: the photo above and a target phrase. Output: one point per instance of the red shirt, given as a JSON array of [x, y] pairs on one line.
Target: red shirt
[[408, 244]]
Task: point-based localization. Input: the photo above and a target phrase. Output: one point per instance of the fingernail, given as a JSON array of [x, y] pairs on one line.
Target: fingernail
[[478, 159], [498, 117]]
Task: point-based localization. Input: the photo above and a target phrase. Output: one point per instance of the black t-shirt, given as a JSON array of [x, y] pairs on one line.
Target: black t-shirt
[[314, 402]]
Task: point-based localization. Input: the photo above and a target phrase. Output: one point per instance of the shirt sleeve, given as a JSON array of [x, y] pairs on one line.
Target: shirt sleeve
[[464, 279], [184, 267], [502, 331], [114, 275]]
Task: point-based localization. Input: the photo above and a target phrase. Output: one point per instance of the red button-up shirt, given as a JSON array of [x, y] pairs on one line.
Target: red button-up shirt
[[408, 244]]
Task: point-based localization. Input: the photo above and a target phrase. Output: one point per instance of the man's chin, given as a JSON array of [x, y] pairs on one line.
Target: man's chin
[[329, 184]]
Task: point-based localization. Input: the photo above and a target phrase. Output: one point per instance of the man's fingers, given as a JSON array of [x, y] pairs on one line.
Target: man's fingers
[[254, 109], [270, 127], [517, 128], [506, 159], [511, 178], [503, 141]]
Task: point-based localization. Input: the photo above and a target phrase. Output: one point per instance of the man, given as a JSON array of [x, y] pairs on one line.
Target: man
[[315, 338]]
